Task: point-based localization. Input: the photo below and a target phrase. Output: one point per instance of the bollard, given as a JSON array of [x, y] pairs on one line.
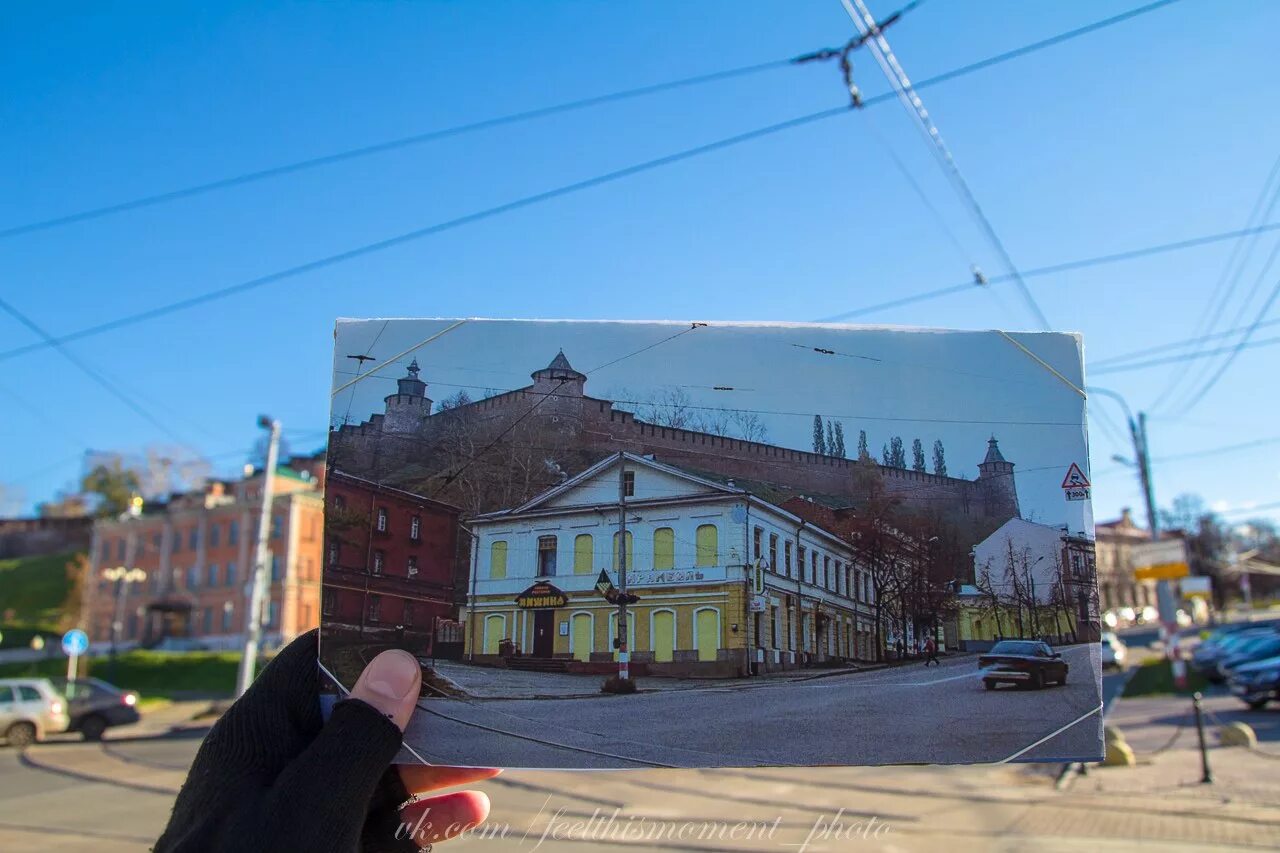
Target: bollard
[[1206, 777]]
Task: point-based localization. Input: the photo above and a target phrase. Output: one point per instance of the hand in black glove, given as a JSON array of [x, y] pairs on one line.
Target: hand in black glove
[[271, 775]]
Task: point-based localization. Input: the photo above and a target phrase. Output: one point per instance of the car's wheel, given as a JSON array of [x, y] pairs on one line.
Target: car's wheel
[[1037, 680], [92, 727], [989, 684], [1257, 704], [21, 735]]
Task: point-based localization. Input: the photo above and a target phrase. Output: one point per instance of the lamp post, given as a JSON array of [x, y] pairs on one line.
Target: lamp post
[[258, 586], [121, 576]]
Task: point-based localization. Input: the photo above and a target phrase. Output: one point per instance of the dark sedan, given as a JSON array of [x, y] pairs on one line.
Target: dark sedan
[[1023, 662], [94, 706]]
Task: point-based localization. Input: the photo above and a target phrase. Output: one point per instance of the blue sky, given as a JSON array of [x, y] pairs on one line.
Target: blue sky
[[1154, 130]]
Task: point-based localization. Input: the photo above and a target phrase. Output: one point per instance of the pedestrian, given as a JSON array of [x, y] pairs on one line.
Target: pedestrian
[[931, 649], [272, 774]]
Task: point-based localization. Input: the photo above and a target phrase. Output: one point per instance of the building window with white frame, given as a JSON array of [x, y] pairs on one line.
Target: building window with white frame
[[412, 569], [546, 556], [415, 528], [382, 520]]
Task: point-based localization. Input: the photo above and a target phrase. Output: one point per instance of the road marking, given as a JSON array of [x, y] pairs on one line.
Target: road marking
[[1086, 715]]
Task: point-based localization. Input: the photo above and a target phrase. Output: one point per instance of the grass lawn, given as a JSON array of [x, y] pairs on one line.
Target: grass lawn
[[153, 675], [32, 592], [1155, 678]]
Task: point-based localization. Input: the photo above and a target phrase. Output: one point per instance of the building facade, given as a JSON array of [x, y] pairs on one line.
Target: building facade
[[389, 564], [729, 584], [1120, 592], [197, 551]]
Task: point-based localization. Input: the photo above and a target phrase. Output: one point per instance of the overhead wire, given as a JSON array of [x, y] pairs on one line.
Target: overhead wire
[[341, 257], [1187, 342], [897, 77]]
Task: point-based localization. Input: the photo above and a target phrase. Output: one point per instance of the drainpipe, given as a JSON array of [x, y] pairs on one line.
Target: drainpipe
[[799, 588]]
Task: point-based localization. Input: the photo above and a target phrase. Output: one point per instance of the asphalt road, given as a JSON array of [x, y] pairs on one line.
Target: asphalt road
[[895, 716]]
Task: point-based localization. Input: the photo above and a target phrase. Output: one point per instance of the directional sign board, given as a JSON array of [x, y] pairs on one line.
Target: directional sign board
[[1160, 561], [75, 642], [1075, 485]]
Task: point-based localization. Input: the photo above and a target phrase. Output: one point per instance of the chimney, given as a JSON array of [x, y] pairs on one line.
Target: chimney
[[1126, 517]]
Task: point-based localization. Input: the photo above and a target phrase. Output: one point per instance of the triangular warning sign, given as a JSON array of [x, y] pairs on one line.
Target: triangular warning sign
[[1075, 478]]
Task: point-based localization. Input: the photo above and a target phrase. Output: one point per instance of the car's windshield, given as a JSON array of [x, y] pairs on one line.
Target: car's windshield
[[1255, 643], [1009, 647]]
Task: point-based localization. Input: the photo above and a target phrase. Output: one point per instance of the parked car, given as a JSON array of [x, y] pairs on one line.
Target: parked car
[[1259, 648], [1205, 658], [1028, 662], [1114, 651], [95, 706], [30, 710], [1257, 683]]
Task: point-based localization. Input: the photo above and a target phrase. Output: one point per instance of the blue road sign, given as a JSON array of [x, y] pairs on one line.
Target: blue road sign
[[75, 642]]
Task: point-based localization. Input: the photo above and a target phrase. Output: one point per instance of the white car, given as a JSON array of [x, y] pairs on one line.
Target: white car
[[30, 709], [1114, 651]]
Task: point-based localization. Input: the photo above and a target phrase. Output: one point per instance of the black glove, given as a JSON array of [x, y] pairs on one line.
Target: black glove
[[271, 775]]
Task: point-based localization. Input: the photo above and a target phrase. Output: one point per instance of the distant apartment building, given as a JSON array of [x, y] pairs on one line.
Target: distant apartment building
[[1118, 588], [390, 563], [196, 551]]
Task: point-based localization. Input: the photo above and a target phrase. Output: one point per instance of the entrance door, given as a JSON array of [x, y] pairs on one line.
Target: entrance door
[[708, 628], [544, 626], [664, 636]]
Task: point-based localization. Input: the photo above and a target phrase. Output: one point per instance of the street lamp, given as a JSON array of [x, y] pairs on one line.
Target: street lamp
[[121, 577]]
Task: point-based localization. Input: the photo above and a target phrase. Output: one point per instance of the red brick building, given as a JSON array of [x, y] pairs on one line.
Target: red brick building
[[389, 563]]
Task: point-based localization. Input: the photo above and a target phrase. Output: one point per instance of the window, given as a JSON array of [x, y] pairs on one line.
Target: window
[[631, 551], [412, 569], [826, 572], [708, 546], [546, 556], [193, 577], [120, 550], [273, 614], [156, 540], [407, 618], [339, 502], [773, 551], [276, 524], [583, 554], [228, 610], [800, 554], [333, 553], [786, 556], [379, 560], [757, 536], [194, 540], [211, 577], [813, 567], [233, 532], [230, 574], [375, 607], [177, 541], [106, 550], [206, 620], [28, 694], [327, 602], [215, 534], [664, 548], [498, 560], [866, 587], [629, 483], [415, 528], [382, 520], [275, 567]]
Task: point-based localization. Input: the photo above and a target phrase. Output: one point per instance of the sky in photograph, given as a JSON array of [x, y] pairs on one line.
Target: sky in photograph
[[1155, 130], [958, 387]]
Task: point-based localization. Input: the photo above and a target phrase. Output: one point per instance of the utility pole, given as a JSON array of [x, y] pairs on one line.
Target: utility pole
[[253, 616], [624, 661]]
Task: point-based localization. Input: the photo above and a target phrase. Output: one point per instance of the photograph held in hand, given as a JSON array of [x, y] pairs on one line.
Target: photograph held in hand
[[704, 544]]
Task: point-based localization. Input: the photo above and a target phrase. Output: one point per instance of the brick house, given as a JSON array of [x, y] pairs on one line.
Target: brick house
[[390, 559]]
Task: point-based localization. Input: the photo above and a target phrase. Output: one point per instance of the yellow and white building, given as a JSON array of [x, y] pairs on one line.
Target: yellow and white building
[[718, 596]]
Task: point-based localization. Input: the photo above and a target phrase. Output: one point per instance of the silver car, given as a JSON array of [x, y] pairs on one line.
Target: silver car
[[30, 710]]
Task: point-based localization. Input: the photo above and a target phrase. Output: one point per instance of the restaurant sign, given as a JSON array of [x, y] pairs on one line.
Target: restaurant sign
[[541, 596]]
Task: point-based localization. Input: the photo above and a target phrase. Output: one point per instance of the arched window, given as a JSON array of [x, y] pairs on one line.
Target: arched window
[[708, 542], [583, 554], [664, 548], [631, 551], [498, 560]]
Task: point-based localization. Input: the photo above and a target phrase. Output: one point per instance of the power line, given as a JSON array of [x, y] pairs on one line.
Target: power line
[[97, 377], [1186, 356], [686, 154], [1051, 269], [1235, 351], [382, 148], [898, 79], [1129, 356]]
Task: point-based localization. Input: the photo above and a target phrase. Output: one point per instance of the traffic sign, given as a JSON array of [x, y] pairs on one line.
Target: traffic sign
[[75, 642], [603, 583], [1075, 479]]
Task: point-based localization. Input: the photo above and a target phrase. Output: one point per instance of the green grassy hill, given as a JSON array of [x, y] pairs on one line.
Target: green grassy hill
[[32, 593]]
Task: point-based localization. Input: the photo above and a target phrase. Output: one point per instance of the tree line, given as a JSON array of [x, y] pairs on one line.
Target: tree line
[[828, 439]]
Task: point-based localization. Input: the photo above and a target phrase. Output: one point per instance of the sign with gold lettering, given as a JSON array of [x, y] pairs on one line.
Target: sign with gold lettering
[[541, 596]]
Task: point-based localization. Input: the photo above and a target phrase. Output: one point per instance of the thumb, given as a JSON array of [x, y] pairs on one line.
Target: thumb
[[391, 684]]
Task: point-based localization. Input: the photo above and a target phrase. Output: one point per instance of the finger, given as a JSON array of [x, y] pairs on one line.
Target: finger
[[436, 819], [391, 683], [421, 778]]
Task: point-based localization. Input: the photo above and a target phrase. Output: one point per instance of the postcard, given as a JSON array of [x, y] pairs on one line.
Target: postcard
[[715, 544]]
